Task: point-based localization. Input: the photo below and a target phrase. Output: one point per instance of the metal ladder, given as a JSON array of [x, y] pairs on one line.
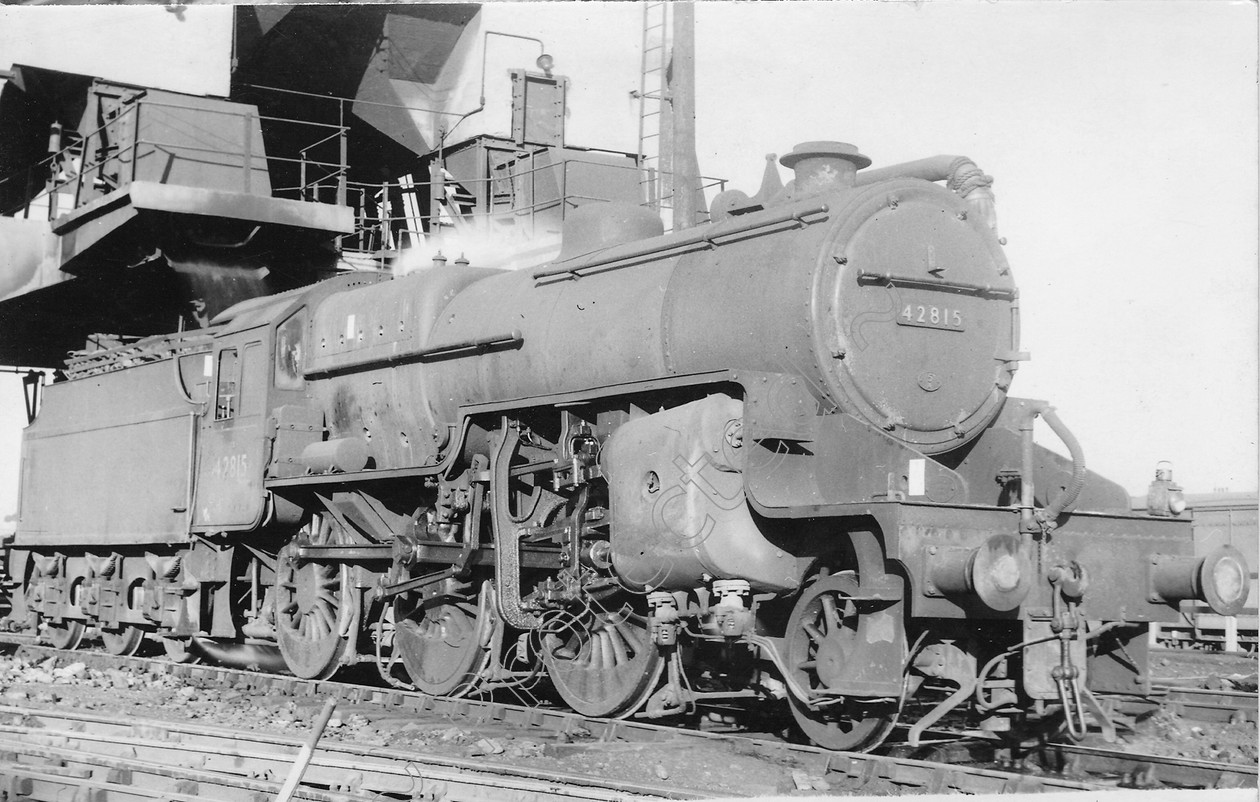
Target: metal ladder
[[652, 97]]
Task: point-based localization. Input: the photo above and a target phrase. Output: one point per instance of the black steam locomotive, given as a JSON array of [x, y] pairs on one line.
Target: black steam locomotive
[[769, 460]]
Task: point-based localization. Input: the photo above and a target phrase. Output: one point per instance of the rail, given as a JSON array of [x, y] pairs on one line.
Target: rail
[[849, 769], [389, 216], [73, 753], [385, 225], [92, 165], [136, 352], [799, 214]]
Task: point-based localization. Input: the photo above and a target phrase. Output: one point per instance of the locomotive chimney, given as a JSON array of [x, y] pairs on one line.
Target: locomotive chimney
[[823, 166]]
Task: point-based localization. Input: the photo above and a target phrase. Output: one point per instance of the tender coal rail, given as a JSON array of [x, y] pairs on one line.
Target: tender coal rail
[[842, 772]]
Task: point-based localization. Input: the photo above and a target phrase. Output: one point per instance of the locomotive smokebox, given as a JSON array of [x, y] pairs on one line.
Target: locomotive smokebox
[[824, 166]]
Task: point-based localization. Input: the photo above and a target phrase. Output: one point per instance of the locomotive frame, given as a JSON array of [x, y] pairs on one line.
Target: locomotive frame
[[662, 472]]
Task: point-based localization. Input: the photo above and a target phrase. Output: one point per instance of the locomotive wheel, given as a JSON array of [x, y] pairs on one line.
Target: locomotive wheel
[[604, 665], [66, 635], [443, 647], [310, 615], [822, 637], [128, 638], [69, 633], [179, 650], [125, 642]]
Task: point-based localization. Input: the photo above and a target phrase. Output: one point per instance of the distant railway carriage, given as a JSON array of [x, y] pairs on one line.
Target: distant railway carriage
[[1220, 519]]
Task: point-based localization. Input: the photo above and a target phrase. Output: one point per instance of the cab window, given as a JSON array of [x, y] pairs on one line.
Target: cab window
[[226, 395], [289, 352]]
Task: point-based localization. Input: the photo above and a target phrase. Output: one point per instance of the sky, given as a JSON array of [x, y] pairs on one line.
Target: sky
[[1122, 137]]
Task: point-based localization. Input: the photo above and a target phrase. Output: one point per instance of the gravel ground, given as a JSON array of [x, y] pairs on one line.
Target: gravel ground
[[1166, 733], [1196, 669], [720, 768]]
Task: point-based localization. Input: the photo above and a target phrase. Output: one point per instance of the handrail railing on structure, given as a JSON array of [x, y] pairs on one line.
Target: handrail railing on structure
[[379, 232], [322, 178], [78, 169]]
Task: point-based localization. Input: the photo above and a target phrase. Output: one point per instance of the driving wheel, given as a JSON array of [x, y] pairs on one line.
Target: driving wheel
[[443, 646], [823, 645], [603, 664], [315, 615]]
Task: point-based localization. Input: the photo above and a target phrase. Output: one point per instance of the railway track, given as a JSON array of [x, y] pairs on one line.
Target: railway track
[[1194, 704], [1212, 661], [563, 732], [47, 752], [1103, 765], [1145, 771]]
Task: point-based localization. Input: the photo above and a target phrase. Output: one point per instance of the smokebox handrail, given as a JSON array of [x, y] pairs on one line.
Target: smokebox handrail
[[798, 214]]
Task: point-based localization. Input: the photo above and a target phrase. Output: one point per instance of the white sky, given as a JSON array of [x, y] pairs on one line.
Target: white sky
[[1122, 136]]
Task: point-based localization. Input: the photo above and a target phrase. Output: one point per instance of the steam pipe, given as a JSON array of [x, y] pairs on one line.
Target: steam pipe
[[242, 655], [959, 173], [933, 168], [1066, 500], [1026, 490]]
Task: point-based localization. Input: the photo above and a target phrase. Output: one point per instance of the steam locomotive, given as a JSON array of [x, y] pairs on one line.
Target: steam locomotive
[[766, 461]]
